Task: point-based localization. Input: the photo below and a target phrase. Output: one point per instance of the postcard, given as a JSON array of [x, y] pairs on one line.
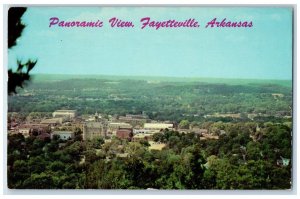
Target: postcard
[[150, 97]]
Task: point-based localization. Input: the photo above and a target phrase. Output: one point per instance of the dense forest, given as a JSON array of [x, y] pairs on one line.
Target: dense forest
[[161, 100], [235, 161]]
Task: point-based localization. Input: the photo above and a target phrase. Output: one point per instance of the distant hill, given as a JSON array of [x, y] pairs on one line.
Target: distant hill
[[59, 77]]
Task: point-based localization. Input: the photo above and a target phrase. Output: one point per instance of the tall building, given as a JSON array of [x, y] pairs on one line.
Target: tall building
[[93, 130]]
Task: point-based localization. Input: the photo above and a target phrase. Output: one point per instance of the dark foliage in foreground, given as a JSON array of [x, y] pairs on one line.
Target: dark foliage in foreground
[[235, 161], [15, 29]]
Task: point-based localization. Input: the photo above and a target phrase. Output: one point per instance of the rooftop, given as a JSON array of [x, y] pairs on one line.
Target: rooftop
[[158, 125]]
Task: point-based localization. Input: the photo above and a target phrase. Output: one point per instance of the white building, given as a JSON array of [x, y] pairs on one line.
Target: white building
[[64, 113], [158, 126], [64, 135], [53, 121]]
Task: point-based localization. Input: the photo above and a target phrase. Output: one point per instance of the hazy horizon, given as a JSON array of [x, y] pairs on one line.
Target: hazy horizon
[[156, 76]]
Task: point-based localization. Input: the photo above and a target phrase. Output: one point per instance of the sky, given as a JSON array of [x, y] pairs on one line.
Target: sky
[[263, 51]]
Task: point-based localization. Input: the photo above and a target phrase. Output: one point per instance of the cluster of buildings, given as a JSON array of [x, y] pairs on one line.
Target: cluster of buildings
[[131, 127], [47, 128], [63, 122], [135, 128], [123, 130]]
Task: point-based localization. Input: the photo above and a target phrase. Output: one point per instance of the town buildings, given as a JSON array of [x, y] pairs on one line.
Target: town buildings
[[33, 129], [69, 114], [134, 128], [134, 119], [93, 130], [113, 127], [158, 126], [124, 133]]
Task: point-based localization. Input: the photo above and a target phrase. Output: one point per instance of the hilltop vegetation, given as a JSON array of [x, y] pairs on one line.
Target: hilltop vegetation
[[161, 100]]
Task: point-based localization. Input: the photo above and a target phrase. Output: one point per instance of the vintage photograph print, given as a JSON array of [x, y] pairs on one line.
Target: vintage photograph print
[[150, 98]]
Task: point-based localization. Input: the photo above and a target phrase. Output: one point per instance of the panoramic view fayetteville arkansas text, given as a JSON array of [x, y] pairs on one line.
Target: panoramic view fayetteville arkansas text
[[153, 108]]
